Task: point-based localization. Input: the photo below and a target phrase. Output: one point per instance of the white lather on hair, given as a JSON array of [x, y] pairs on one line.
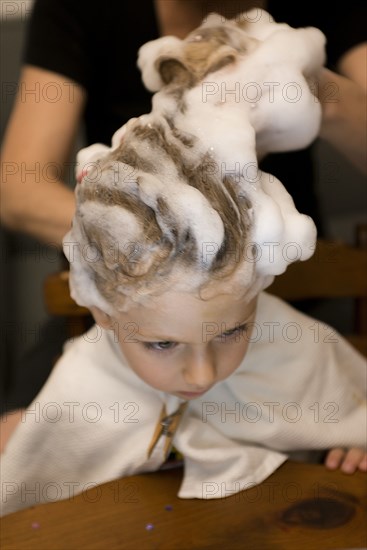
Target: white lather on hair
[[258, 100]]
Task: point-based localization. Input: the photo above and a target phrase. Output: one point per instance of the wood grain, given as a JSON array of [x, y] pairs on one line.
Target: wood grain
[[300, 507]]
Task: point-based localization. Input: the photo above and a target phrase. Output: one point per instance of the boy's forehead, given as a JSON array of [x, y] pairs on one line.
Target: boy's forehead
[[178, 314]]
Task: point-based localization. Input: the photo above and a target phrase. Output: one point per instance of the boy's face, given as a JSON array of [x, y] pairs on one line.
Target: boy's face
[[183, 345]]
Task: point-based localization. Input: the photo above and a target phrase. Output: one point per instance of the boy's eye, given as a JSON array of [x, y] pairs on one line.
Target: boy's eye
[[237, 331], [159, 346]]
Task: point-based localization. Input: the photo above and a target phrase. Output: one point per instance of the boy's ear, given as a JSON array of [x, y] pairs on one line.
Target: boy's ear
[[101, 318]]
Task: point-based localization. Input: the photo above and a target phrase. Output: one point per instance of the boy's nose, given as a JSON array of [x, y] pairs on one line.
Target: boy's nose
[[200, 370]]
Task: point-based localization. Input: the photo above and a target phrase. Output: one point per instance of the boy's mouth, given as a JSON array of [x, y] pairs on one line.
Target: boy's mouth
[[192, 395]]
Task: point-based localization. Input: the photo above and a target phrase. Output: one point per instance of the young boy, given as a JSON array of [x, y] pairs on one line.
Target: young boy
[[171, 251]]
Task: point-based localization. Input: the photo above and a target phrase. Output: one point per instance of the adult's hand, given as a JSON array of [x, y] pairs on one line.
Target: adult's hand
[[343, 98]]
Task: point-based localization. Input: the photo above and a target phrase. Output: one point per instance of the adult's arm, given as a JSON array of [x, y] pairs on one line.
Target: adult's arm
[[344, 101], [36, 155]]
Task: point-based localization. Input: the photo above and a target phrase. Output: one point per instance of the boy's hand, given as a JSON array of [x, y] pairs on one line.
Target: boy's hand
[[348, 460]]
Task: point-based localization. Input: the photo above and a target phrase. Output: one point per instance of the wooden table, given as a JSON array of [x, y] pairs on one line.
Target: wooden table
[[301, 506]]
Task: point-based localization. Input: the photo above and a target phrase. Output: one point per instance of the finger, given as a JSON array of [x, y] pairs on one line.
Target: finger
[[363, 463], [334, 458], [352, 460]]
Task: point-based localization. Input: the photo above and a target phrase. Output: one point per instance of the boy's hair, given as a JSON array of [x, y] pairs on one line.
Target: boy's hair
[[158, 212], [140, 229]]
